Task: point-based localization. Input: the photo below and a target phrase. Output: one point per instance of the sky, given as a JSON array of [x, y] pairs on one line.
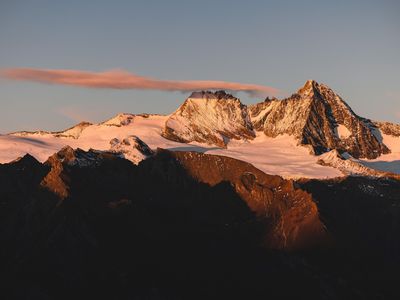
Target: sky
[[352, 46]]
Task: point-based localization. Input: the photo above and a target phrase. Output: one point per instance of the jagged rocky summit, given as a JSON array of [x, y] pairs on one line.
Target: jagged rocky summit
[[318, 117], [212, 118], [315, 115], [270, 134]]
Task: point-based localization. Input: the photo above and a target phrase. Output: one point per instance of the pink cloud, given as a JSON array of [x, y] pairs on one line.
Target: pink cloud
[[120, 79]]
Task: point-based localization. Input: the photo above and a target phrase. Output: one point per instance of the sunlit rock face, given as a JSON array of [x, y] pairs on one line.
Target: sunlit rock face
[[315, 115], [281, 137], [209, 117], [320, 118], [291, 217], [389, 128]]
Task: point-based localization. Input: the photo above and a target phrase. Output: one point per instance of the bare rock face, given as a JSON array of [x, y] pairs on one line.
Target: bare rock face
[[291, 216], [320, 118], [212, 118], [57, 180], [388, 128], [288, 215], [315, 115]]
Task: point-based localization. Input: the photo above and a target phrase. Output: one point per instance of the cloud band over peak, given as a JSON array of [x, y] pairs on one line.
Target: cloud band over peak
[[120, 79]]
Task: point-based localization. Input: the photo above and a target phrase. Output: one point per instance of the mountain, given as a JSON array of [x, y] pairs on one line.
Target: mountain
[[318, 117], [131, 148], [218, 200], [350, 166], [168, 228], [211, 118], [119, 120], [291, 137], [73, 132], [388, 128], [56, 180], [276, 201]]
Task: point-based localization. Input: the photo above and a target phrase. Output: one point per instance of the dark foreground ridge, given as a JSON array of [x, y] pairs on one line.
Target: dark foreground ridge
[[184, 225]]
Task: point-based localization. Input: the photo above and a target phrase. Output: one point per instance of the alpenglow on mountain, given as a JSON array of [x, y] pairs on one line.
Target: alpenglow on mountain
[[315, 116], [318, 117], [284, 137], [292, 198]]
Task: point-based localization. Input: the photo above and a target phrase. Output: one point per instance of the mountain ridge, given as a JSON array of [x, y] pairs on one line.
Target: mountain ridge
[[123, 230], [314, 117], [213, 118]]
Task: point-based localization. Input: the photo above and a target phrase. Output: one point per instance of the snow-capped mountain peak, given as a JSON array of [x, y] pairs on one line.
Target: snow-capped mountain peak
[[320, 118], [271, 135], [131, 148], [211, 118], [72, 132]]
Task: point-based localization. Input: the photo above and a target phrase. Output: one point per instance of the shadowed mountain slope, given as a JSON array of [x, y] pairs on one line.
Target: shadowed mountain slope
[[190, 226]]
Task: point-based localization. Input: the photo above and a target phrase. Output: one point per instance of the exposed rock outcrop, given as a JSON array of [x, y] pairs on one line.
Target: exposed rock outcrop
[[320, 118], [57, 180], [388, 128], [209, 117], [291, 215]]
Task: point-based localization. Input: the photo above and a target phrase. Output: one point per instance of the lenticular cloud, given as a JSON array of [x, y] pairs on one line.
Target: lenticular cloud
[[120, 79]]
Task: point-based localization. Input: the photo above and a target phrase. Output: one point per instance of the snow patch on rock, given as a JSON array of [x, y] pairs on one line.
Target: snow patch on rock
[[342, 132], [131, 148]]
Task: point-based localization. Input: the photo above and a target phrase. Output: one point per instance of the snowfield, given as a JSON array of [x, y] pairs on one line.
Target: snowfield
[[280, 155]]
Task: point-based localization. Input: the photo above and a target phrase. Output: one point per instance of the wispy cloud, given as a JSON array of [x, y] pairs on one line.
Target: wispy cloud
[[120, 79]]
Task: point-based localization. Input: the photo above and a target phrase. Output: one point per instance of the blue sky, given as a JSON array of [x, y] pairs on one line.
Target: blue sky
[[352, 46]]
